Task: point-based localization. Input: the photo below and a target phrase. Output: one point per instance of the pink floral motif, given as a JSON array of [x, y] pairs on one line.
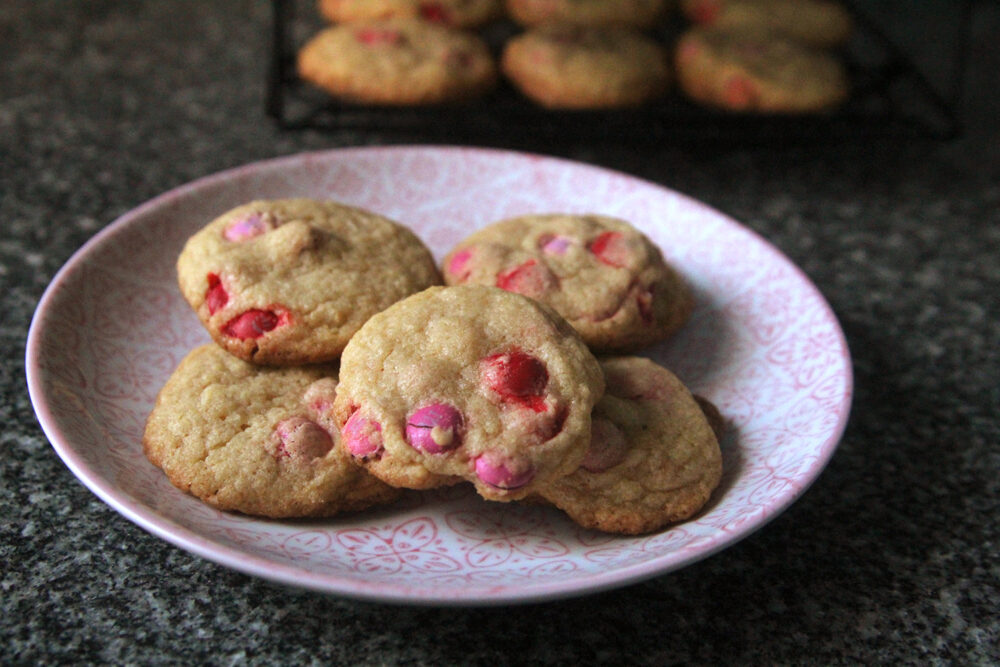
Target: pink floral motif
[[503, 536], [413, 545]]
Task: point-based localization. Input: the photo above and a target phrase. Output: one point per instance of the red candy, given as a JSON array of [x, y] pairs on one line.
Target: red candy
[[740, 92], [216, 296], [253, 324], [432, 11], [373, 36], [517, 377], [610, 248], [529, 279], [706, 11]]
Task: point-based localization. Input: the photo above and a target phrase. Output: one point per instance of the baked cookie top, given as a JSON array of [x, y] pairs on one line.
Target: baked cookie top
[[456, 13], [568, 66], [398, 62], [256, 440], [289, 281], [822, 23], [635, 13], [653, 459], [606, 278], [467, 383], [750, 70]]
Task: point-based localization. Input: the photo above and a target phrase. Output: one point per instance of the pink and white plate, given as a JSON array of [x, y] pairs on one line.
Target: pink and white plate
[[763, 345]]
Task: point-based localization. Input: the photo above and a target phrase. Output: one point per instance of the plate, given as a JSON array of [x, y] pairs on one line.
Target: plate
[[762, 344]]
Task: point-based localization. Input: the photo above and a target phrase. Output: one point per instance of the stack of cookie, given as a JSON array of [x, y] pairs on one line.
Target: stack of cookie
[[741, 55], [490, 380]]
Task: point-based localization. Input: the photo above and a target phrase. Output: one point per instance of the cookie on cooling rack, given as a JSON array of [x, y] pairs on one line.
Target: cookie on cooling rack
[[743, 70], [398, 62], [579, 67]]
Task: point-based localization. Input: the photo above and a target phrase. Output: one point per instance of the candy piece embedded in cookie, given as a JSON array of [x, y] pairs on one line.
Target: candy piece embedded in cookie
[[606, 278], [757, 71], [398, 62], [467, 383], [286, 282], [653, 460], [579, 67], [256, 440], [820, 23], [455, 13], [634, 13]]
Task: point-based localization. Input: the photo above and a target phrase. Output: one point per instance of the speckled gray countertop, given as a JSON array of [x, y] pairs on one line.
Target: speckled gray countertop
[[891, 557]]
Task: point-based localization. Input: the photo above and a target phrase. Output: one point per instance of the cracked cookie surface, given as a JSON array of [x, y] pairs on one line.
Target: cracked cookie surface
[[467, 383], [256, 440], [654, 457], [286, 282], [607, 279]]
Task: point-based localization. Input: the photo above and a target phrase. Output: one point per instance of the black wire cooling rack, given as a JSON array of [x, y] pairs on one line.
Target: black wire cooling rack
[[891, 97]]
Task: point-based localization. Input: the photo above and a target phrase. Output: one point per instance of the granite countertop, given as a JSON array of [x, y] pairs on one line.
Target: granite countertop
[[892, 556]]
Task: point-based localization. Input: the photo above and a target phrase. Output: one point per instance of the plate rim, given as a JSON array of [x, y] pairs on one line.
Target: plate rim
[[254, 565]]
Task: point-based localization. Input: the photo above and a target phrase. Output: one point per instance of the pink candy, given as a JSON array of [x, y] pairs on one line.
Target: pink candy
[[608, 446], [457, 265], [246, 228], [435, 428], [503, 473], [302, 439], [554, 245], [362, 436]]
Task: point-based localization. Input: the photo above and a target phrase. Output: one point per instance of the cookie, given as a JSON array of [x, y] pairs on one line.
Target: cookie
[[757, 71], [286, 282], [467, 383], [398, 62], [578, 67], [653, 459], [821, 23], [606, 278], [256, 440], [634, 13], [456, 13]]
